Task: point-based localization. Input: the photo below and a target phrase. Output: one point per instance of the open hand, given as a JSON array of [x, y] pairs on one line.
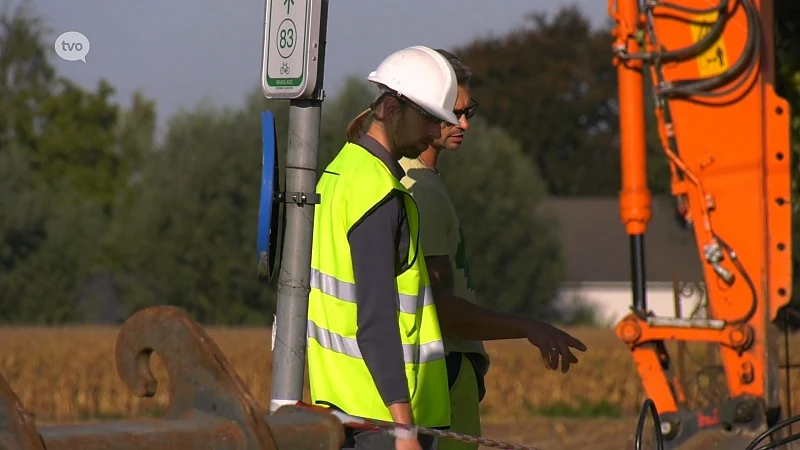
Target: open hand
[[554, 343]]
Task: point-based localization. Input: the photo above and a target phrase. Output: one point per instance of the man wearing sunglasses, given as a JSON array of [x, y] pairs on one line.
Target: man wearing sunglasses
[[464, 324]]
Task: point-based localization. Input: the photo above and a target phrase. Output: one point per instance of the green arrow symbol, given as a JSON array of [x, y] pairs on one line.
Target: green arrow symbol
[[288, 4]]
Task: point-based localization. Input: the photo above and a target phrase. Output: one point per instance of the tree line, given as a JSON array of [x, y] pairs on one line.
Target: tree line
[[99, 219]]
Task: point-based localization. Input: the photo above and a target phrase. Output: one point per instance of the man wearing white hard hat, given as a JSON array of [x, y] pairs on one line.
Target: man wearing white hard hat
[[374, 344]]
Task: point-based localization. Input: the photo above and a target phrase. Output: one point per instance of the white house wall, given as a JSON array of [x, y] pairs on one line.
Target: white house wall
[[611, 301]]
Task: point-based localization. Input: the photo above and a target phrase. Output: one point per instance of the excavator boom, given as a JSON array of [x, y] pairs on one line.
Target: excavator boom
[[709, 66]]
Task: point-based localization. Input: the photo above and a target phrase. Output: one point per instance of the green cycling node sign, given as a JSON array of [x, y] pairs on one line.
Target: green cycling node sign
[[289, 47]]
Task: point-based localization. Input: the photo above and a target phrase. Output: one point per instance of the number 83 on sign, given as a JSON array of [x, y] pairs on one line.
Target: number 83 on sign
[[291, 48]]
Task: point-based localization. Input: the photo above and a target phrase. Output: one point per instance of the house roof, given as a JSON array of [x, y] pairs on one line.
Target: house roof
[[596, 248]]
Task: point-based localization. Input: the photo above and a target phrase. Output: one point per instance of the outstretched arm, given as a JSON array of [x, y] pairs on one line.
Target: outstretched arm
[[466, 320]]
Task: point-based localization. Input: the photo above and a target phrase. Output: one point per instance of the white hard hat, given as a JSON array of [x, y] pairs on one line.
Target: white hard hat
[[423, 76]]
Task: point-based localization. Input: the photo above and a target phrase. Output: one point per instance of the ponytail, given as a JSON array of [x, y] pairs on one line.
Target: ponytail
[[356, 126], [359, 124]]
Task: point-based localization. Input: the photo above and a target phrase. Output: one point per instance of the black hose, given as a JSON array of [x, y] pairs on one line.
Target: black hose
[[693, 50], [777, 444], [770, 431], [740, 267], [687, 9], [703, 87], [745, 63], [649, 406]]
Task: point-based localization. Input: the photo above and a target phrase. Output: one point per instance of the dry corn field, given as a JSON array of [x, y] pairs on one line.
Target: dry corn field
[[69, 374]]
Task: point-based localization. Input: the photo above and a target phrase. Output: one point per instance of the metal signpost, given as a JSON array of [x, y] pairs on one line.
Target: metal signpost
[[293, 68]]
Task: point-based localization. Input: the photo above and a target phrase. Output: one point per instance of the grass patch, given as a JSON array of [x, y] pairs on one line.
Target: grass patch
[[586, 410]]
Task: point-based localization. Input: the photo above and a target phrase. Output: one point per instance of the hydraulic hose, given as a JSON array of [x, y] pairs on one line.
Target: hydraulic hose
[[772, 430], [692, 50], [687, 9], [745, 63], [753, 293], [649, 407], [702, 87]]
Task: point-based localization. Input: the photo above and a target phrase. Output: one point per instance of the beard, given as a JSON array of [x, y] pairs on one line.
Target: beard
[[405, 146], [412, 151]]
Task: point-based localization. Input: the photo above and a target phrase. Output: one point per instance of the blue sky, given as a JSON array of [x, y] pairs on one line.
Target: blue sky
[[180, 52]]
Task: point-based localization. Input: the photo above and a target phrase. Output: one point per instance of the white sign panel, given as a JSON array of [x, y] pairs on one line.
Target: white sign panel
[[291, 48]]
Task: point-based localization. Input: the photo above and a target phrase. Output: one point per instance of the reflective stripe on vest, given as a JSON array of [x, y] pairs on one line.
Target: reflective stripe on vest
[[412, 354], [347, 291]]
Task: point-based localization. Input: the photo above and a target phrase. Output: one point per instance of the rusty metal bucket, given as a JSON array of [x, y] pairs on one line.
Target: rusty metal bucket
[[209, 405]]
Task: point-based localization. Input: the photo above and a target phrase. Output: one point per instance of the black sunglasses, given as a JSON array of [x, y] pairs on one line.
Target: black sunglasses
[[469, 111]]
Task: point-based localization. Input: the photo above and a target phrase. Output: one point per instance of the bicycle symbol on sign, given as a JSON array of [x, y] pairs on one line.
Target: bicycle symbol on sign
[[285, 69]]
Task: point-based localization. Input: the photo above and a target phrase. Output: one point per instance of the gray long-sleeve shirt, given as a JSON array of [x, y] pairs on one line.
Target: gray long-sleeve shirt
[[379, 250]]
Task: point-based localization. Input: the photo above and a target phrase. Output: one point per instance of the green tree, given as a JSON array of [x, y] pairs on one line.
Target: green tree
[[552, 86], [68, 132], [188, 237], [58, 180], [46, 237]]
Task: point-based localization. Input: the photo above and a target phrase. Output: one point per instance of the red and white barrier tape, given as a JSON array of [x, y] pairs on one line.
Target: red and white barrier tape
[[396, 429]]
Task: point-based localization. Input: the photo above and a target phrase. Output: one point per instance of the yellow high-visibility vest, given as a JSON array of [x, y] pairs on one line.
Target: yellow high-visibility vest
[[355, 183]]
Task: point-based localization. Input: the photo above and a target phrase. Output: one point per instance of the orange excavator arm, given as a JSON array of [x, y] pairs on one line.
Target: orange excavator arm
[[725, 134]]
